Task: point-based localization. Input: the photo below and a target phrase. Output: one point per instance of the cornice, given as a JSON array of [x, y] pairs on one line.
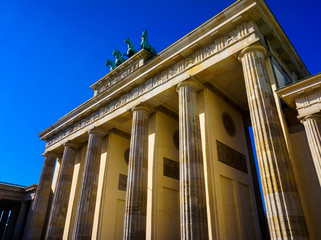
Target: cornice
[[293, 91], [205, 32], [282, 39], [218, 25]]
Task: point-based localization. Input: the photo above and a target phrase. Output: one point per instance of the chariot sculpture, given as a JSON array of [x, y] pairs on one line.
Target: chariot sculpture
[[119, 58]]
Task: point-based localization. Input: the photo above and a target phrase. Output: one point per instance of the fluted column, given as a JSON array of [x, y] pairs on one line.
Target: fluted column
[[38, 209], [59, 205], [88, 192], [284, 211], [312, 125], [192, 184], [136, 194]]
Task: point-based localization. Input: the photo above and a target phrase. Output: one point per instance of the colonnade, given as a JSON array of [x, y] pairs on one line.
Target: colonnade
[[284, 211], [12, 219]]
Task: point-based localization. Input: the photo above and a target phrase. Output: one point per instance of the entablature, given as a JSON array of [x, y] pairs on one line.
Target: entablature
[[223, 35]]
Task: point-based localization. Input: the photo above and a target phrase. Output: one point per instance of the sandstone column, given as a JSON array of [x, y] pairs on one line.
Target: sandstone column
[[61, 195], [88, 192], [38, 209], [284, 211], [136, 194], [192, 184], [312, 125]]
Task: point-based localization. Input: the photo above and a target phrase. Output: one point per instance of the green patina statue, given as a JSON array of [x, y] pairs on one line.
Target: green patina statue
[[111, 64], [131, 50], [145, 45], [119, 58]]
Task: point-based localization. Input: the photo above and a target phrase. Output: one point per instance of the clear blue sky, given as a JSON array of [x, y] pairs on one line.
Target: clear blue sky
[[52, 51]]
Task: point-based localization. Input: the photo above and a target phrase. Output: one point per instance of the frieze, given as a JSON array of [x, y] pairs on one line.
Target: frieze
[[217, 45], [109, 82]]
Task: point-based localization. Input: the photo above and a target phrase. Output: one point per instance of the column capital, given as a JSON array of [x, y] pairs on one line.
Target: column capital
[[255, 47], [51, 154], [72, 144], [314, 115], [97, 131], [189, 83], [141, 107]]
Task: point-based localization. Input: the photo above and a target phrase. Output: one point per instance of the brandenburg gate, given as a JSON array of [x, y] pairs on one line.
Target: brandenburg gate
[[163, 148]]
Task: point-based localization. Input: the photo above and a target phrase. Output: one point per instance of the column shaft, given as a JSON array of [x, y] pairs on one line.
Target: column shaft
[[136, 195], [312, 125], [59, 205], [284, 211], [192, 184], [38, 209], [88, 193]]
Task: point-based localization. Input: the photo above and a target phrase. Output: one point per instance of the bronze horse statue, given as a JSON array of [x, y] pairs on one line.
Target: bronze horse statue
[[110, 63], [145, 45], [119, 58], [131, 50]]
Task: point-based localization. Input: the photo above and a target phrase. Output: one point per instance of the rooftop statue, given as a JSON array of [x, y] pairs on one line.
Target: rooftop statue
[[131, 50], [119, 58], [145, 45], [111, 64]]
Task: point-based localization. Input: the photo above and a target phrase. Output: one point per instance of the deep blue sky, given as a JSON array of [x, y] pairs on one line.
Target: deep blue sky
[[52, 51]]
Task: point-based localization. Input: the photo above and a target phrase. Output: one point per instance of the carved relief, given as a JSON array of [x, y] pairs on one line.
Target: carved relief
[[111, 82], [217, 45], [231, 157], [170, 168], [231, 37]]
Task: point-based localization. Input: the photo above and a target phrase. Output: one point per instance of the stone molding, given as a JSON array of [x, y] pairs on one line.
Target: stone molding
[[98, 131], [142, 108], [51, 154], [73, 145], [122, 71], [189, 83], [255, 47], [217, 45], [315, 115], [304, 96]]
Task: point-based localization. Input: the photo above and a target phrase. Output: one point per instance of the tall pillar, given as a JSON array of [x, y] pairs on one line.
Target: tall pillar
[[61, 195], [312, 125], [88, 193], [38, 209], [284, 211], [136, 194], [192, 184]]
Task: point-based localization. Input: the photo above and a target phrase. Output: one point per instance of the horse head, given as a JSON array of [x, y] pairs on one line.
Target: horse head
[[115, 52], [144, 35], [127, 41], [110, 63]]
